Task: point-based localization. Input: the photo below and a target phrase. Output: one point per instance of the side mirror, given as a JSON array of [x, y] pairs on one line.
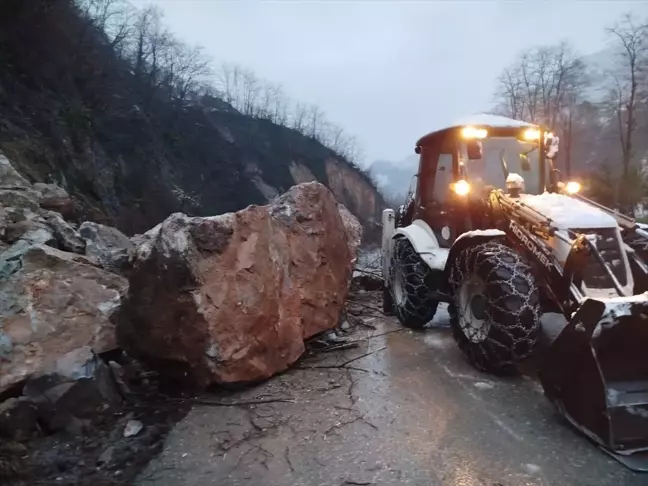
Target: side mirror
[[474, 149]]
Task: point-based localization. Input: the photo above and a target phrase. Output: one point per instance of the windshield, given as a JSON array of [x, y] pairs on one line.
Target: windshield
[[502, 155]]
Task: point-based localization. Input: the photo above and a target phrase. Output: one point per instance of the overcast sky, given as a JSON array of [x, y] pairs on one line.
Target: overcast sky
[[388, 71]]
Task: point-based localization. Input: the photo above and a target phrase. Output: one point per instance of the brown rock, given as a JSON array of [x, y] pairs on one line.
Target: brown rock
[[232, 297], [51, 304], [54, 198]]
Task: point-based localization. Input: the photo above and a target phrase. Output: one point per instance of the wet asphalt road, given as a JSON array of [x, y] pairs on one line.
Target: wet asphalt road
[[411, 413]]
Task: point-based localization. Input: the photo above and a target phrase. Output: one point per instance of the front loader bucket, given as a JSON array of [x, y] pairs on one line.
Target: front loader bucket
[[596, 374]]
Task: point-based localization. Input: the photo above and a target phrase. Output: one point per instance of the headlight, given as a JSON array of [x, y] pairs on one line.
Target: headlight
[[572, 187], [472, 132], [461, 188], [531, 134]]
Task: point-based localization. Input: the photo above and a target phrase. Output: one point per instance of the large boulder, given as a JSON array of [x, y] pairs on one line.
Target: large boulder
[[51, 304], [233, 297], [352, 227]]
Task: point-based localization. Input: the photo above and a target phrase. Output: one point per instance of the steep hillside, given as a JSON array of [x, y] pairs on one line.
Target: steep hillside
[[73, 112]]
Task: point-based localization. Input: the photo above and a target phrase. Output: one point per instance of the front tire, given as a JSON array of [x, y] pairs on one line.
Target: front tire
[[409, 288], [495, 317]]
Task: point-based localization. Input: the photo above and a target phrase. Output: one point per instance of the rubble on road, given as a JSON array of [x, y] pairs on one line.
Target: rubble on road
[[227, 299]]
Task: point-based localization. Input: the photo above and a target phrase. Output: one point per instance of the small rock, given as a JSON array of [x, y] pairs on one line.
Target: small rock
[[55, 198], [119, 374], [66, 236], [109, 246], [79, 388], [19, 198], [31, 231], [133, 427], [19, 419], [106, 455], [345, 326]]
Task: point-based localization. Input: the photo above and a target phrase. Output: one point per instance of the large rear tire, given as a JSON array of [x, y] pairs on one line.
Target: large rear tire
[[495, 318], [409, 288]]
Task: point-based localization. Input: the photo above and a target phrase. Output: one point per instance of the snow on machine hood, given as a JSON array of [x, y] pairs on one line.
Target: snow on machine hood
[[568, 212]]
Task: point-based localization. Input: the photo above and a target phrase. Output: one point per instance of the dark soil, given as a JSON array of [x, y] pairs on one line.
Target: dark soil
[[98, 454]]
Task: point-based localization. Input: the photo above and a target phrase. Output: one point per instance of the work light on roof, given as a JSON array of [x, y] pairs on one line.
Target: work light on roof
[[470, 133]]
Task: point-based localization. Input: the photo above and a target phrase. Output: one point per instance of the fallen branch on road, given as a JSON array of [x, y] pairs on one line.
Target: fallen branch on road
[[214, 403], [362, 356], [366, 306]]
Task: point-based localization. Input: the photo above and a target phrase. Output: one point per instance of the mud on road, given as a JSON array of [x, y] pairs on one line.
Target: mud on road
[[401, 408]]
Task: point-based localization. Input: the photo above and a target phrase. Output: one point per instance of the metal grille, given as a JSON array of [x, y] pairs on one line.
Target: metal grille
[[607, 243]]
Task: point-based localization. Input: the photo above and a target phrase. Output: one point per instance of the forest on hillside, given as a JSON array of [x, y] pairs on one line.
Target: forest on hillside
[[599, 110], [101, 98], [185, 74]]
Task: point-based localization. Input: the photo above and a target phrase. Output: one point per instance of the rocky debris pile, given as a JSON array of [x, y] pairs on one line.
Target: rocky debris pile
[[224, 299], [231, 298], [56, 295]]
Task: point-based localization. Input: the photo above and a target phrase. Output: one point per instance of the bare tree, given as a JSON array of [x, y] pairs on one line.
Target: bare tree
[[228, 80], [537, 86], [298, 121], [315, 120], [147, 26], [113, 17], [544, 85], [631, 38], [190, 68], [250, 88], [280, 106]]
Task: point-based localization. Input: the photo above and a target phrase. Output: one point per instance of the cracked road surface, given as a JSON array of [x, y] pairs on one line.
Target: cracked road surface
[[412, 412]]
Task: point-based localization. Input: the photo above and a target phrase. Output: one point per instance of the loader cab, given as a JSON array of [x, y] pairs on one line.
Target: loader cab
[[459, 165]]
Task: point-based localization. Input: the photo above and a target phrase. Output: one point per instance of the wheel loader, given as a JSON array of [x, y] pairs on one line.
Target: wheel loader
[[529, 268]]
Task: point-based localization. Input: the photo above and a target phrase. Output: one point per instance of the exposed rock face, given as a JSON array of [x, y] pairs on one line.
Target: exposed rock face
[[109, 246], [349, 187], [232, 297], [52, 303]]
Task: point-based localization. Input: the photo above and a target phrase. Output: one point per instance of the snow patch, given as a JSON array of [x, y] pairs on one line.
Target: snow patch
[[488, 232], [568, 212], [615, 307], [514, 177], [641, 412], [532, 468], [436, 259], [483, 385], [486, 120], [438, 341]]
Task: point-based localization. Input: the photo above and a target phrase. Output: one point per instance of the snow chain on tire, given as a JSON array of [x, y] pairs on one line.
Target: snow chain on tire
[[409, 286], [511, 307]]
